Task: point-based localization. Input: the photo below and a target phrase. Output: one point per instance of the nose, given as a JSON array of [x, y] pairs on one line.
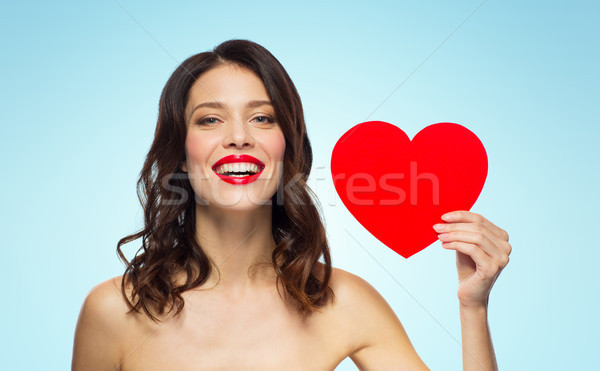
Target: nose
[[238, 136]]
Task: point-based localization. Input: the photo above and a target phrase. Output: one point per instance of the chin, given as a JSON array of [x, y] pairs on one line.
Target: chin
[[237, 201]]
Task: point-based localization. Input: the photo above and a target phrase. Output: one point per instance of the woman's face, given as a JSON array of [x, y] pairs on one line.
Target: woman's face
[[234, 146]]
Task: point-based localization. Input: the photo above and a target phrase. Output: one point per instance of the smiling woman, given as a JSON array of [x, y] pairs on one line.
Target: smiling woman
[[233, 238]]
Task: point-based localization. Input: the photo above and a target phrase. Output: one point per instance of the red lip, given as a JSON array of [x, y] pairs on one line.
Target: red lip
[[238, 158]]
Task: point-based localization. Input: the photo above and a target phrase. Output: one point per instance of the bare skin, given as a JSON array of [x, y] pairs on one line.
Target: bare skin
[[221, 330], [255, 332]]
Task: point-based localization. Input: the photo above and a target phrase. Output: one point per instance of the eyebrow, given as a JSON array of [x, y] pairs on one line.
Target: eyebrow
[[251, 104]]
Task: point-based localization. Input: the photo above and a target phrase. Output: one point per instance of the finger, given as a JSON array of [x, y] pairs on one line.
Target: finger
[[481, 240], [474, 227], [486, 266], [471, 217]]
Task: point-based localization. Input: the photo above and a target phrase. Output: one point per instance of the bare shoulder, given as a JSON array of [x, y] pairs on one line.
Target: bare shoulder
[[355, 295], [101, 328], [107, 296], [376, 338]]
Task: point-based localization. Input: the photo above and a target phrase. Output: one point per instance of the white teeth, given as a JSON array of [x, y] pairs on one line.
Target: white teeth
[[238, 167]]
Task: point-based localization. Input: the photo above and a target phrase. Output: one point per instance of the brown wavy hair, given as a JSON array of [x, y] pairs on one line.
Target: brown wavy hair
[[169, 236]]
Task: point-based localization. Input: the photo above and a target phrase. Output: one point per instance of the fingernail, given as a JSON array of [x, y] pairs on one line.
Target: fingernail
[[442, 236], [439, 227], [447, 217]]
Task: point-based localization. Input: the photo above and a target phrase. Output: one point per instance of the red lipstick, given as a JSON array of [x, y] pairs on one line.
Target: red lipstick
[[231, 159]]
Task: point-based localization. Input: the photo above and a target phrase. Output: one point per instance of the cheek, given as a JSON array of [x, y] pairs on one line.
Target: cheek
[[198, 149], [273, 144], [278, 152], [277, 146]]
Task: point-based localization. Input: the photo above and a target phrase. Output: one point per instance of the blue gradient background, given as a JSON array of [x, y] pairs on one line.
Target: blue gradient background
[[79, 98]]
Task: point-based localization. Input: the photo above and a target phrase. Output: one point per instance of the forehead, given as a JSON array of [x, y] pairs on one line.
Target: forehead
[[227, 83]]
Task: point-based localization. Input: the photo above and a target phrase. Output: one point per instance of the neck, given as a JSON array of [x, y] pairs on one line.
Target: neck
[[236, 241]]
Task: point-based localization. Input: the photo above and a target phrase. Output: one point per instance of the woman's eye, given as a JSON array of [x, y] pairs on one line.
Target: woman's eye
[[264, 119], [208, 121]]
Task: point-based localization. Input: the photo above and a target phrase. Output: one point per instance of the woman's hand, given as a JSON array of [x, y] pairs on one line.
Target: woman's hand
[[482, 251]]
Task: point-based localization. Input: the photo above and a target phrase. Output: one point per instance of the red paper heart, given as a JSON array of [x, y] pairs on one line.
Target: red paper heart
[[398, 188]]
